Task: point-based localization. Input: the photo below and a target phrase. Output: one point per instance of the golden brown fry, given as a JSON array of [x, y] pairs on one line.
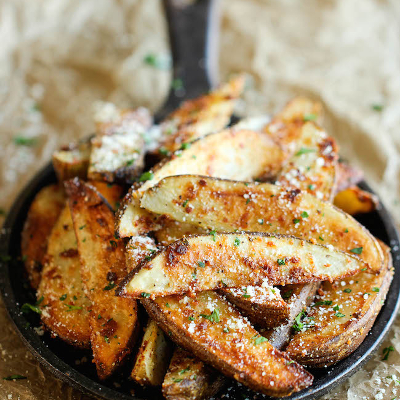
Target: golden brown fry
[[342, 315], [188, 378], [174, 230], [66, 308], [71, 161], [214, 331], [354, 200], [228, 205], [113, 320], [206, 114], [153, 357], [209, 262], [42, 216]]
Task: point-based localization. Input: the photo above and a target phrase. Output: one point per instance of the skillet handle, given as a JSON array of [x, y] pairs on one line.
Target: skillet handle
[[193, 32]]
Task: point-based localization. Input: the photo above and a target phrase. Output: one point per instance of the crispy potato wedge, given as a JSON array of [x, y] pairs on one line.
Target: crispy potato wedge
[[206, 114], [66, 310], [72, 160], [263, 306], [300, 108], [347, 176], [228, 154], [285, 127], [113, 320], [226, 205], [209, 262], [297, 297], [209, 327], [42, 216], [153, 357], [313, 167], [342, 316], [117, 152], [188, 378], [354, 200]]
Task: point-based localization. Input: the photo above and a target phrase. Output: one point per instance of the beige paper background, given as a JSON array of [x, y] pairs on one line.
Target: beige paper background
[[61, 55]]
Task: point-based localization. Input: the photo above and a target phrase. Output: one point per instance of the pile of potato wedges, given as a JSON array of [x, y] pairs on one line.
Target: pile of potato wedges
[[239, 245]]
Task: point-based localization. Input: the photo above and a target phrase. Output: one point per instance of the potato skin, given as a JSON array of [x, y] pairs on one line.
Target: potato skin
[[42, 216], [330, 342], [188, 378]]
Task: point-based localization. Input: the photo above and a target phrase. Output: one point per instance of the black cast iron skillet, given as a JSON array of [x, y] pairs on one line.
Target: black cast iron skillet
[[193, 58]]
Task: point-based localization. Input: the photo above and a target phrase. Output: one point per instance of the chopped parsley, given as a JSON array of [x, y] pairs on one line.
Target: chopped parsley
[[63, 297], [146, 176], [298, 325], [213, 317], [311, 187], [339, 315], [214, 235], [357, 250], [296, 220], [177, 380], [110, 286], [237, 242], [346, 231], [26, 308], [259, 339], [336, 308], [245, 295], [347, 290], [182, 371], [163, 151], [14, 377], [157, 61], [287, 294], [304, 150], [177, 84], [191, 318], [310, 117], [106, 339], [377, 107], [323, 303], [145, 295], [386, 352], [226, 330], [375, 289], [185, 146], [321, 238], [72, 307], [114, 244], [304, 214], [281, 261], [201, 264], [24, 141]]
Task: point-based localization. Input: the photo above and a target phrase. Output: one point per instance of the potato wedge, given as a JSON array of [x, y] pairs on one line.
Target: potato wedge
[[188, 378], [228, 154], [72, 160], [313, 167], [209, 327], [300, 108], [263, 306], [198, 117], [66, 310], [342, 316], [354, 200], [42, 216], [153, 357], [297, 297], [209, 262], [117, 152], [113, 320], [227, 205]]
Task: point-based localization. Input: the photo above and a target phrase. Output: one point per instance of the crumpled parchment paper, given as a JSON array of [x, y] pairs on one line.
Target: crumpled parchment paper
[[58, 56]]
